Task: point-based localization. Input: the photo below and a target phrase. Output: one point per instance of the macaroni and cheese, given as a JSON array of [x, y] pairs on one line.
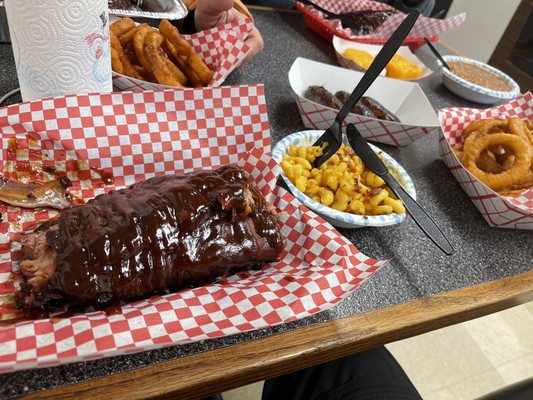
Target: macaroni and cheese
[[343, 182]]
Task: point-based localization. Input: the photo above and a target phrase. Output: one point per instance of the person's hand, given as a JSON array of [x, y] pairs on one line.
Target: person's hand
[[211, 13]]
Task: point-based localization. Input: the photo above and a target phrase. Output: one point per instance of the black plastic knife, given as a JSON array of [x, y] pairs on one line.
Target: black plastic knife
[[374, 163]]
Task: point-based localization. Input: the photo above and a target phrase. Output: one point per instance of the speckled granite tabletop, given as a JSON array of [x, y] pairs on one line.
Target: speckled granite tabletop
[[418, 269]]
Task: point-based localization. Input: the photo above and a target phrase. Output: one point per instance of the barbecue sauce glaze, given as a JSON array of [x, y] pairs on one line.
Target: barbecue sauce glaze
[[165, 232]]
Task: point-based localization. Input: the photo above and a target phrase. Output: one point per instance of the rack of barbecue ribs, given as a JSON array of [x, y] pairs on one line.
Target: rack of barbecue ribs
[[168, 232]]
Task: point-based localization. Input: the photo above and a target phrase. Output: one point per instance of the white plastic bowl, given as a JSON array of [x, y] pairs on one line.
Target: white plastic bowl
[[478, 94], [339, 218]]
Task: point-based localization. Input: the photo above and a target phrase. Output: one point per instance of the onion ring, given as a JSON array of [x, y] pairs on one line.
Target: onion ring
[[518, 173], [116, 52], [517, 126], [160, 68], [488, 163], [173, 68], [519, 188], [195, 63], [458, 151], [128, 36], [173, 55], [483, 125], [194, 80], [170, 32], [138, 45], [123, 64], [171, 50], [121, 26], [129, 68]]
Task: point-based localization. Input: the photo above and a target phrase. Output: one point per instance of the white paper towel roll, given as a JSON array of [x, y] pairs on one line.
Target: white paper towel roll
[[60, 46]]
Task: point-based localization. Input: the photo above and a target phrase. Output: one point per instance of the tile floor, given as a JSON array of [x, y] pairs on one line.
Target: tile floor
[[460, 362]]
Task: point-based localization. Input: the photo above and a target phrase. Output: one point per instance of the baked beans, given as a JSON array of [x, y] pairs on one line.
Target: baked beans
[[479, 76]]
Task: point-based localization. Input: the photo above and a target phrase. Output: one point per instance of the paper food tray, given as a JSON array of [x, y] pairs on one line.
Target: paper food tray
[[341, 45], [513, 212], [222, 49], [137, 135], [403, 98], [424, 26]]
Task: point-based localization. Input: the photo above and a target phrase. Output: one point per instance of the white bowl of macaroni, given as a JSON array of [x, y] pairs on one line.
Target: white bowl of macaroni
[[341, 204]]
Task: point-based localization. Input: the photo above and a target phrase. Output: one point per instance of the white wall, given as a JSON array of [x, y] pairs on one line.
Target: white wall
[[486, 20]]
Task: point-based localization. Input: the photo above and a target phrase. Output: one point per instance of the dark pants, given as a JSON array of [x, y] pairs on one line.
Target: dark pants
[[370, 375]]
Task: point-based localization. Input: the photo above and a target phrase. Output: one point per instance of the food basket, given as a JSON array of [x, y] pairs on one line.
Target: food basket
[[403, 98], [424, 27], [134, 136], [512, 212], [221, 48]]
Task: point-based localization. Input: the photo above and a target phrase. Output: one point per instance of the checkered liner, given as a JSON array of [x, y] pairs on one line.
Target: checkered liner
[[424, 26], [318, 116], [138, 135], [221, 48], [514, 212]]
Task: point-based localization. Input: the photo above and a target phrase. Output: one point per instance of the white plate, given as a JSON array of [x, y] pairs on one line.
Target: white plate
[[403, 98], [478, 94], [339, 218], [341, 45]]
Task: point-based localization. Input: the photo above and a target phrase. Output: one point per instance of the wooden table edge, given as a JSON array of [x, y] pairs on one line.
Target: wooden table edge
[[223, 369]]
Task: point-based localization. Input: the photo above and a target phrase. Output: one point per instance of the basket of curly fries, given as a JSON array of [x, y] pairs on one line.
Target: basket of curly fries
[[147, 58], [490, 153]]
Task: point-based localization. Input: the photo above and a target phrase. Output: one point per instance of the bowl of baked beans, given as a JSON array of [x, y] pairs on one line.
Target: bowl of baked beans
[[477, 81]]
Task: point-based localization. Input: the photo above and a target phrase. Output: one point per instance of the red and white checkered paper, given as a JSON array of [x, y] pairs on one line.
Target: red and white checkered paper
[[221, 48], [318, 116], [513, 212], [138, 135], [424, 26]]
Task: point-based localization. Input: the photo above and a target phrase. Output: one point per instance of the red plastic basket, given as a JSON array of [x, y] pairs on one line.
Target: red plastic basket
[[327, 31]]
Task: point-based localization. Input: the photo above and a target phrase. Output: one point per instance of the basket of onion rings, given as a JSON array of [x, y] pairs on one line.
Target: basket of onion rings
[[490, 153], [147, 58]]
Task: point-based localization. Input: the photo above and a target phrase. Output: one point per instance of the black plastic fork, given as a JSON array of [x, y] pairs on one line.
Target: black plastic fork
[[333, 135]]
